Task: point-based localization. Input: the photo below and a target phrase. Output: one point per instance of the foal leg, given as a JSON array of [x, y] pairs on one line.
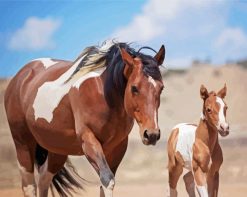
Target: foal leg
[[52, 165], [174, 174], [114, 158], [200, 164], [213, 174], [95, 155], [189, 184]]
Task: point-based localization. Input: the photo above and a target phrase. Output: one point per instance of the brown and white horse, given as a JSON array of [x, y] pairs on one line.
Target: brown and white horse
[[57, 108], [197, 149]]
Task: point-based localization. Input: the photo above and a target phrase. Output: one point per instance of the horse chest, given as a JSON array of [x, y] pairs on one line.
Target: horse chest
[[116, 130]]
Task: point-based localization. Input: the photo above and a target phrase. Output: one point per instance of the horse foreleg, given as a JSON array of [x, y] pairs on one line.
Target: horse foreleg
[[189, 184], [200, 166], [47, 171], [95, 155], [213, 174], [114, 158]]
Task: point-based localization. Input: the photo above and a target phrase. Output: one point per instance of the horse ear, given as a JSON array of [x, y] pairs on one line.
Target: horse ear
[[160, 56], [129, 62], [203, 92], [222, 92]]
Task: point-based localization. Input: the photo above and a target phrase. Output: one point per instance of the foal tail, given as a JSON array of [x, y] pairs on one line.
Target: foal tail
[[66, 179]]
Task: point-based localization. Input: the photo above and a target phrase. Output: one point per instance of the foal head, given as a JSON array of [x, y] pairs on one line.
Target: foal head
[[142, 93], [214, 109]]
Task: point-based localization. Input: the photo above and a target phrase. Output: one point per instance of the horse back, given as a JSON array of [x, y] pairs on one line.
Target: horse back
[[23, 86]]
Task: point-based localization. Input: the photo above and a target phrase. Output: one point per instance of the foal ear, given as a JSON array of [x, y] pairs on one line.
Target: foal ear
[[203, 92], [129, 62], [160, 56], [222, 92]]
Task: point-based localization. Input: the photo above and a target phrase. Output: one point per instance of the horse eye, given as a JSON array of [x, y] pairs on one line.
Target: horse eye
[[134, 90], [208, 110]]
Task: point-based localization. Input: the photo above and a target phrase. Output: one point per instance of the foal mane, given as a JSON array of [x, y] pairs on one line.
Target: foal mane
[[108, 55]]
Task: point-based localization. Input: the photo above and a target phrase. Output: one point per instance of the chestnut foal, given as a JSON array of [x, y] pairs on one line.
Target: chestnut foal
[[197, 149]]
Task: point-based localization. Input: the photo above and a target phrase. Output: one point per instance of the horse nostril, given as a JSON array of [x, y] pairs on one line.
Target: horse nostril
[[146, 134], [158, 136], [222, 127]]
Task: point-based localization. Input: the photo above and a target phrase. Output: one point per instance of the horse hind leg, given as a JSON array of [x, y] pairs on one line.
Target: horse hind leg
[[25, 149], [189, 184], [48, 165]]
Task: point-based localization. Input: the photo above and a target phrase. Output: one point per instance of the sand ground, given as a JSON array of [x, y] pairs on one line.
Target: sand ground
[[143, 170]]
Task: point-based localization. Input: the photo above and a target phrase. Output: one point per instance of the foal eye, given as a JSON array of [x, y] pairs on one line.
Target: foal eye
[[134, 90], [208, 110]]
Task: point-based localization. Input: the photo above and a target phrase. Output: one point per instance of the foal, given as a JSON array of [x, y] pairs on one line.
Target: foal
[[197, 149]]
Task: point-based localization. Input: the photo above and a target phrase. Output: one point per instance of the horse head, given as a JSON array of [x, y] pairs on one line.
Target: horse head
[[142, 92], [214, 109]]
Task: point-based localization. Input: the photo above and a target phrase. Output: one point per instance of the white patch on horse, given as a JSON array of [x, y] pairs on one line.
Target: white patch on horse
[[51, 93], [47, 62], [152, 81], [109, 189], [45, 179], [222, 119], [202, 190], [155, 119], [202, 116], [185, 141], [28, 182]]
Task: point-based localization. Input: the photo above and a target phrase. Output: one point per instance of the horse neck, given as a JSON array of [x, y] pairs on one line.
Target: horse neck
[[207, 134], [118, 100]]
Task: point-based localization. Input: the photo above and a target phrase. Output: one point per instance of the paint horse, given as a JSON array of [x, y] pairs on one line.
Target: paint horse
[[57, 108], [197, 149]]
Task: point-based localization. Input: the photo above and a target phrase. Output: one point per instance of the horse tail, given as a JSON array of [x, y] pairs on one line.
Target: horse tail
[[66, 178]]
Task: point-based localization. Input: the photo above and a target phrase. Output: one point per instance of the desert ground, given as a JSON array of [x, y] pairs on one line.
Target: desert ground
[[143, 170]]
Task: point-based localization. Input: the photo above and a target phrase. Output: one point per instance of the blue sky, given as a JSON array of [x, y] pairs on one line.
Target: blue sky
[[192, 29]]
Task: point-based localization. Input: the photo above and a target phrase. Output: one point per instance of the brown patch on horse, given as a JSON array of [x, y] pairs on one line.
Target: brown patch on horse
[[179, 158]]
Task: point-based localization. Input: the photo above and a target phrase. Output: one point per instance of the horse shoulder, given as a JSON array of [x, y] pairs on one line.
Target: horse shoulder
[[201, 154]]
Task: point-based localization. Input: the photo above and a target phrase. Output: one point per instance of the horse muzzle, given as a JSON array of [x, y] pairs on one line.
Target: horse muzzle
[[150, 137]]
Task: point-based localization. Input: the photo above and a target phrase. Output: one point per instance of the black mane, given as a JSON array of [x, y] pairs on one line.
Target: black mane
[[114, 64]]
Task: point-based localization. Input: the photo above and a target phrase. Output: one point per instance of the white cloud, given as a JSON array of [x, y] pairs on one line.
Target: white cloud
[[186, 27], [36, 34], [231, 43], [155, 18]]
